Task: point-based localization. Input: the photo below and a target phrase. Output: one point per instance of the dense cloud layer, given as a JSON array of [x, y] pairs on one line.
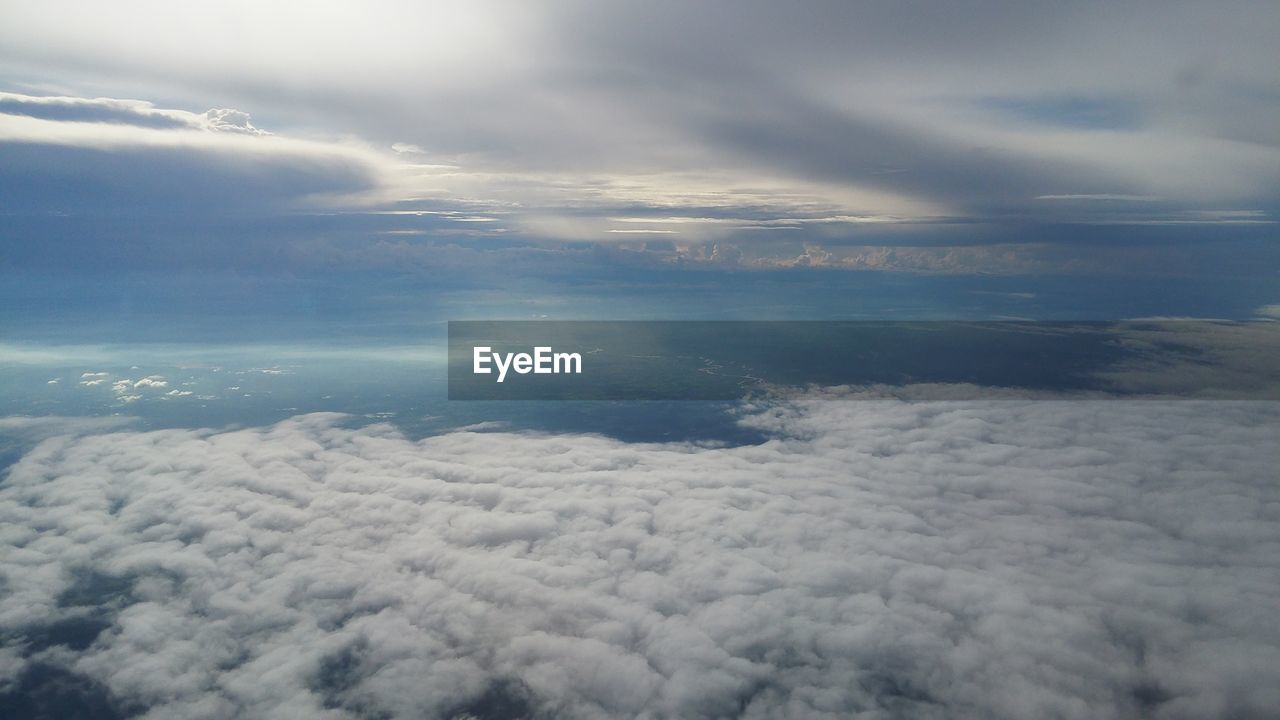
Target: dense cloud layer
[[874, 559]]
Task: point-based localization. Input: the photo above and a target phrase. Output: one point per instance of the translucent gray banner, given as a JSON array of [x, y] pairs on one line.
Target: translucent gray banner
[[727, 360]]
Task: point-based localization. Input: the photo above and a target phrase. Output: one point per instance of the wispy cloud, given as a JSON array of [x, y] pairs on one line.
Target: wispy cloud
[[129, 157], [568, 116]]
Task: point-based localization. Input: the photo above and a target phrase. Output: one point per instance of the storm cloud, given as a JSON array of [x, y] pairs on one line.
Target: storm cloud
[[875, 559]]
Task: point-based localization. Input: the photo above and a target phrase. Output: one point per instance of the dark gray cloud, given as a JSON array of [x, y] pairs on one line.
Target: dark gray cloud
[[871, 559]]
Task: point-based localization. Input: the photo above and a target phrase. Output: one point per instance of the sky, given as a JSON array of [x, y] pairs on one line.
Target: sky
[[232, 237], [995, 138]]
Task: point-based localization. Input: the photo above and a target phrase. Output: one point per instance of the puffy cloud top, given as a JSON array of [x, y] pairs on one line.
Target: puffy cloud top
[[873, 559]]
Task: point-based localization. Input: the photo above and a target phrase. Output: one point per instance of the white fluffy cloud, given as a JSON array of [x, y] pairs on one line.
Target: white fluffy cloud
[[1003, 559]]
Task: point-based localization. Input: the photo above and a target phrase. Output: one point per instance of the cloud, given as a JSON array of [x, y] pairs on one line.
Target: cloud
[[1100, 198], [110, 156], [571, 113], [1196, 359], [124, 112], [94, 110], [485, 426], [228, 120], [873, 559]]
